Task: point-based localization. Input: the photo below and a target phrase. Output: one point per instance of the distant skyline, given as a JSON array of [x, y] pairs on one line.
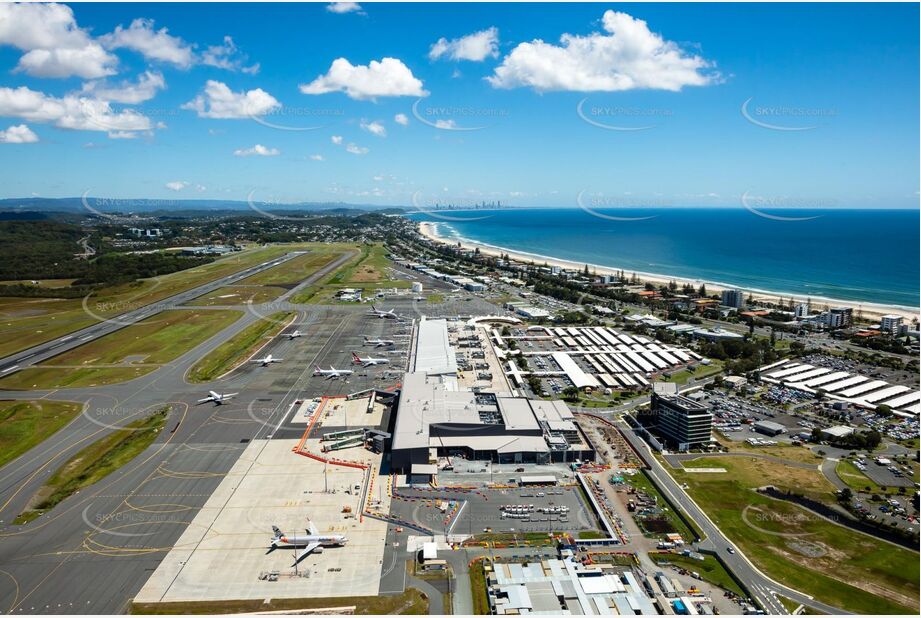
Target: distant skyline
[[534, 105]]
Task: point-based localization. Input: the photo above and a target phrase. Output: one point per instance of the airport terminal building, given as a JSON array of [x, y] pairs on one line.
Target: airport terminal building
[[436, 418]]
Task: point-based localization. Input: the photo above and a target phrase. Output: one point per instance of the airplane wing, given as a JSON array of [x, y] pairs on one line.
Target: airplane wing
[[206, 399], [312, 529], [307, 550], [213, 394]]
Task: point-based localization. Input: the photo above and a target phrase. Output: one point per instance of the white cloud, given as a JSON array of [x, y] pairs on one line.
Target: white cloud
[[344, 7], [69, 111], [445, 124], [374, 127], [55, 45], [476, 47], [401, 119], [18, 134], [317, 157], [227, 56], [177, 185], [627, 57], [122, 134], [356, 150], [33, 26], [387, 78], [88, 62], [153, 44], [258, 150], [148, 83], [218, 101], [336, 139]]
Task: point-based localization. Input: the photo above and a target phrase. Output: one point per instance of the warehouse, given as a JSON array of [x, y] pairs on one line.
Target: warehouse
[[554, 587], [769, 428]]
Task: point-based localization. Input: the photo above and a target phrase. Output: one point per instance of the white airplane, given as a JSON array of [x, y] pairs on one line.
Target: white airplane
[[312, 541], [217, 398], [268, 360], [332, 373], [294, 334], [368, 361], [377, 343], [377, 313]]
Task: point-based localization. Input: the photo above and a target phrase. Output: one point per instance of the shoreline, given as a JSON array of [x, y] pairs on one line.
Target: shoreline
[[867, 309]]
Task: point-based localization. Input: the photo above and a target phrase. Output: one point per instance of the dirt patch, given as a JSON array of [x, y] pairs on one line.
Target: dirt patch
[[810, 550]]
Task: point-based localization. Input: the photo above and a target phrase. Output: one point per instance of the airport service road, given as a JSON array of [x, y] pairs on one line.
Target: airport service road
[[44, 351], [761, 587]]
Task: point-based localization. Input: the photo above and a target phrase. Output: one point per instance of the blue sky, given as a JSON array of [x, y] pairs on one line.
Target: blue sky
[[849, 71]]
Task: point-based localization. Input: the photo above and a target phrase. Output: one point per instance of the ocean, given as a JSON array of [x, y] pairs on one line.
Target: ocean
[[854, 255]]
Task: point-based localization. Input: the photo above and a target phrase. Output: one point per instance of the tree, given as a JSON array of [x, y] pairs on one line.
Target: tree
[[845, 495], [571, 393], [702, 290]]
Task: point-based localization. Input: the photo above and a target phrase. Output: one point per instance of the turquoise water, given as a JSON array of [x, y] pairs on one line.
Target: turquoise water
[[867, 256]]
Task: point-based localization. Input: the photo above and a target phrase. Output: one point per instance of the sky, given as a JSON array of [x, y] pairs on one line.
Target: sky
[[595, 104]]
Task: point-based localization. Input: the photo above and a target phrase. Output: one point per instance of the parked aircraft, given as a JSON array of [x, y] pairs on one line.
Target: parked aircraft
[[294, 334], [332, 373], [312, 541], [377, 343], [368, 361]]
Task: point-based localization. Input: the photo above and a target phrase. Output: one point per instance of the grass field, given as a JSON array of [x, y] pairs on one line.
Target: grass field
[[367, 270], [43, 283], [794, 546], [239, 347], [784, 451], [478, 589], [126, 353], [710, 570], [702, 371], [411, 602], [95, 462], [25, 322], [23, 424], [297, 269], [238, 295]]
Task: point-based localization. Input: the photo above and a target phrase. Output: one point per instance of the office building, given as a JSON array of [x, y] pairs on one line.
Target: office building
[[680, 421]]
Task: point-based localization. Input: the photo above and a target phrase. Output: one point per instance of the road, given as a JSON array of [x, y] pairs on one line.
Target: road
[[44, 351], [759, 585]]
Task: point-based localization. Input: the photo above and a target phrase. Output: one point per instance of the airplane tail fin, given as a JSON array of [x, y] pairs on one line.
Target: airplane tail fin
[[355, 358], [278, 533]]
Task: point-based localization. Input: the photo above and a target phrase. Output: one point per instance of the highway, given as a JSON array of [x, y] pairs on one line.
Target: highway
[[760, 586], [44, 351]]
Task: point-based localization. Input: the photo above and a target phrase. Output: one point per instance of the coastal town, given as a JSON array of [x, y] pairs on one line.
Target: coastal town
[[488, 433], [520, 309]]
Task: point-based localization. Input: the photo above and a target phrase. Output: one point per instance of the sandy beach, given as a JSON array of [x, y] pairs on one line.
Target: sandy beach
[[869, 311]]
